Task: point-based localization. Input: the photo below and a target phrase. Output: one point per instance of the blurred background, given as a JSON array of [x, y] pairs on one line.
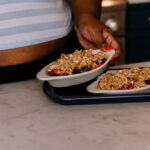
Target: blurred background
[[129, 22]]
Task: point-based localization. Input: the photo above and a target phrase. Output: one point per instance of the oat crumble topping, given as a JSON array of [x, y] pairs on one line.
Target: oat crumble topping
[[76, 62], [125, 79]]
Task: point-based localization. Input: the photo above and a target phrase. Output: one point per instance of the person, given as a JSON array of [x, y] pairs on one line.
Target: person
[[34, 32]]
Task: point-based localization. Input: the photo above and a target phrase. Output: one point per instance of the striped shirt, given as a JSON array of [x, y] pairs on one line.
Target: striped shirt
[[28, 22]]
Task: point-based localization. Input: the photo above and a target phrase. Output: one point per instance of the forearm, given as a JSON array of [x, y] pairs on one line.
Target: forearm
[[82, 8]]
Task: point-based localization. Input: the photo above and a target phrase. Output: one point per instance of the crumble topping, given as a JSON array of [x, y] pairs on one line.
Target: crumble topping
[[76, 62], [125, 79]]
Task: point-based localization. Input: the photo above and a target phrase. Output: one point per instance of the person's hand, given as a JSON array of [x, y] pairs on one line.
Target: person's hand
[[93, 34]]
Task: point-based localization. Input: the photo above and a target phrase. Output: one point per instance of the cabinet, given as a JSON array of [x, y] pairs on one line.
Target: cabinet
[[138, 33]]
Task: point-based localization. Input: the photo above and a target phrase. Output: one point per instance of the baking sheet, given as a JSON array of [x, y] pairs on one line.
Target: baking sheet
[[77, 95]]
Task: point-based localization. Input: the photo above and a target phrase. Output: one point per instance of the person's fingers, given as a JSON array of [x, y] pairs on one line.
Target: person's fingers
[[84, 42], [95, 37], [98, 39], [112, 42]]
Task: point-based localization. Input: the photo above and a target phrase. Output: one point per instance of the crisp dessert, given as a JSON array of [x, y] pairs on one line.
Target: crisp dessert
[[76, 62], [125, 79]]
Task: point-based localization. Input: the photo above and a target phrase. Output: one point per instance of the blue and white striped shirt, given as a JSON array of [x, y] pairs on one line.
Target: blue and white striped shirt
[[28, 22]]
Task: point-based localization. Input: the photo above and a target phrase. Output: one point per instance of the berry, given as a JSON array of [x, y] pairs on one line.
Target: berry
[[130, 86], [96, 66], [76, 70], [85, 69], [54, 72], [103, 60]]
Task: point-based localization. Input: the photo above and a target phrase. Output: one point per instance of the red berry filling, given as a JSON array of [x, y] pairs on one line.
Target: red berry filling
[[56, 72], [96, 66], [130, 86]]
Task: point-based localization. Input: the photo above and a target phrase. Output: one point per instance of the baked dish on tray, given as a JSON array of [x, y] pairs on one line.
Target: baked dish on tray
[[125, 79], [76, 68], [77, 62]]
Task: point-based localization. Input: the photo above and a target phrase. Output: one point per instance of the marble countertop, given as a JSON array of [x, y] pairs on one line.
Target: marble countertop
[[29, 120]]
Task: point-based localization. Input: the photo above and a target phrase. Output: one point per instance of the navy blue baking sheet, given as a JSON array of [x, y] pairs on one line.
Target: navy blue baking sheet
[[77, 95]]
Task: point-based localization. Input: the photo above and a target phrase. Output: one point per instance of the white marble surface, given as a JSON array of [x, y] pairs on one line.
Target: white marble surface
[[29, 120]]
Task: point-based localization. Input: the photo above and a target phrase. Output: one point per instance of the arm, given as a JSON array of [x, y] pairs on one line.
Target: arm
[[82, 8], [91, 32]]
